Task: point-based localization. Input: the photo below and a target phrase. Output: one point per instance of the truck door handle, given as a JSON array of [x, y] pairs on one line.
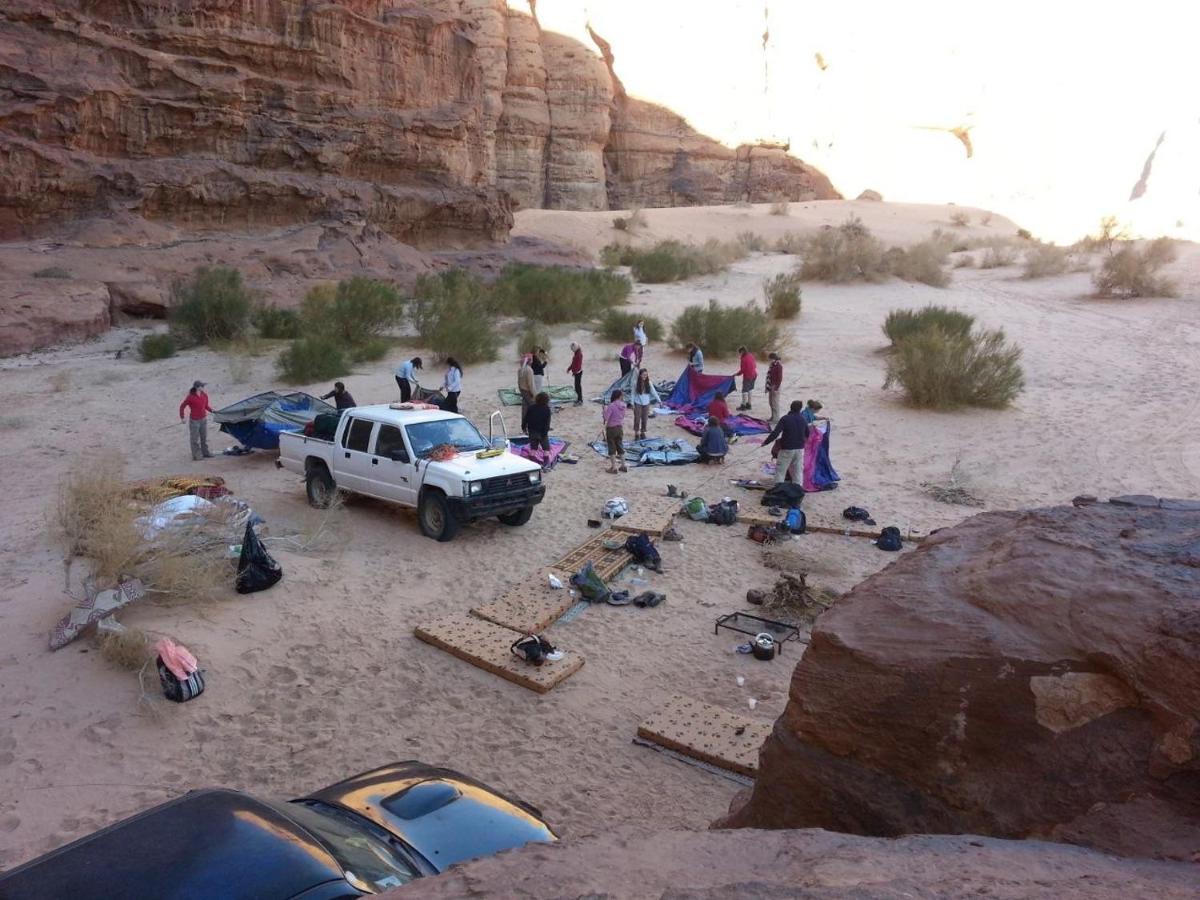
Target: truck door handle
[[374, 461], [347, 456]]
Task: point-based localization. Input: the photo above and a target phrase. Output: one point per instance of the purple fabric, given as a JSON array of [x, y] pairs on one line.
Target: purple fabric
[[695, 391], [558, 446], [740, 425]]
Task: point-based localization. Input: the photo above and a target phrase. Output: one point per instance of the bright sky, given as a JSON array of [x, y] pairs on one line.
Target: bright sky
[[1064, 98]]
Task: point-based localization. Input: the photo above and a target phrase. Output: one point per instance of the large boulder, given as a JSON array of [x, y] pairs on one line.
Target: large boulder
[[1024, 674], [39, 312]]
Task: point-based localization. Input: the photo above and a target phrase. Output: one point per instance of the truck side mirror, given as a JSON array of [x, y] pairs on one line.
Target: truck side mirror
[[398, 455]]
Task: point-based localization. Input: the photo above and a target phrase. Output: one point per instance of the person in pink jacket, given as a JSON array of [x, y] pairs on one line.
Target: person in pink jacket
[[749, 372]]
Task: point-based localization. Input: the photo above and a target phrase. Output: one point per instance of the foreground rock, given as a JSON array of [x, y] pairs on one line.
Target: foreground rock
[[1024, 674], [732, 865]]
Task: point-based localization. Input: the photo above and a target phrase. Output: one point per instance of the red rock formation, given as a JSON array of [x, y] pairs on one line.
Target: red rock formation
[[1023, 674], [38, 312]]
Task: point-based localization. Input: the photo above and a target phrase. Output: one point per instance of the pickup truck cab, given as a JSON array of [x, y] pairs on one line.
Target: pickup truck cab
[[436, 462]]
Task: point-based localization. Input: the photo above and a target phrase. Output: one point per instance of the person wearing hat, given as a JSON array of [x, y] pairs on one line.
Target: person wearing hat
[[341, 397], [197, 407]]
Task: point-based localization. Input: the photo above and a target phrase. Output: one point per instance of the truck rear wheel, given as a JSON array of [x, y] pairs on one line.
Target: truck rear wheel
[[319, 487], [433, 512], [520, 517]]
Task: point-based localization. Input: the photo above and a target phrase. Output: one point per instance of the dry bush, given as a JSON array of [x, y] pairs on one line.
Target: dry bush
[[793, 600], [153, 347], [635, 221], [751, 242], [938, 370], [674, 261], [128, 648], [60, 381], [1046, 261], [781, 208], [782, 295], [998, 255], [743, 204], [1110, 233], [1134, 272], [954, 490], [903, 323], [1024, 234], [960, 219], [846, 253], [241, 368], [924, 262], [792, 243], [985, 220], [964, 261], [720, 330]]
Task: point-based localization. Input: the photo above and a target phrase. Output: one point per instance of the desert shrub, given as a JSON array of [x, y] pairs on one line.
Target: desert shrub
[[985, 220], [128, 649], [751, 242], [211, 305], [618, 255], [52, 272], [453, 287], [532, 334], [635, 221], [241, 368], [465, 333], [782, 294], [964, 261], [554, 294], [1110, 232], [923, 262], [60, 381], [903, 323], [959, 219], [938, 370], [355, 311], [720, 330], [792, 243], [781, 208], [1024, 234], [156, 346], [846, 253], [370, 350], [313, 358], [1134, 272], [1045, 260], [997, 255], [674, 261], [275, 323], [617, 326]]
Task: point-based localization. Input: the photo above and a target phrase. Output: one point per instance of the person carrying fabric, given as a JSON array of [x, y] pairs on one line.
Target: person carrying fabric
[[712, 446], [810, 412], [748, 369], [341, 397], [406, 378], [525, 389], [640, 339], [452, 382], [537, 362], [774, 384], [695, 358], [626, 357], [613, 417], [793, 433], [197, 407], [575, 369], [538, 422], [644, 395]]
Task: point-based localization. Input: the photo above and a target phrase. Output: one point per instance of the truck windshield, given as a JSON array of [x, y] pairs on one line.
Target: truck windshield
[[370, 858], [459, 433]]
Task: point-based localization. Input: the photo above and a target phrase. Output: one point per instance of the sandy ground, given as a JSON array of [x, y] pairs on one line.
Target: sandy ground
[[321, 676]]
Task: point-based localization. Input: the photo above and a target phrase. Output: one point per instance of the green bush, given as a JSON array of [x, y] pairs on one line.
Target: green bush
[[720, 330], [998, 255], [944, 371], [212, 305], [553, 294], [316, 357], [1046, 260], [751, 242], [156, 346], [618, 255], [453, 287], [532, 334], [846, 253], [276, 324], [464, 332], [670, 261], [924, 262], [783, 295], [960, 219], [1130, 272], [52, 272], [635, 221], [617, 326], [1023, 234], [903, 323], [355, 311]]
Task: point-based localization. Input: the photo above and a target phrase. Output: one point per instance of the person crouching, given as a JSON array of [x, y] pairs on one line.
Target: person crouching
[[713, 446]]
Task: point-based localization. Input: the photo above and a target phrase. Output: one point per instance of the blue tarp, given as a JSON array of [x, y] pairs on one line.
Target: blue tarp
[[695, 392], [654, 452], [259, 420], [824, 476]]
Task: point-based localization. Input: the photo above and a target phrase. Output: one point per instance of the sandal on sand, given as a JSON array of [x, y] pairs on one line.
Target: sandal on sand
[[643, 599], [655, 600], [619, 598]]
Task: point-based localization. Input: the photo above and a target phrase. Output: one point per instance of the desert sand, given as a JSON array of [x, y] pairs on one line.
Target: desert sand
[[321, 676]]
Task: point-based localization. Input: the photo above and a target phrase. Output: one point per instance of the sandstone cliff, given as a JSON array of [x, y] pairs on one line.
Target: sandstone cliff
[[1023, 674]]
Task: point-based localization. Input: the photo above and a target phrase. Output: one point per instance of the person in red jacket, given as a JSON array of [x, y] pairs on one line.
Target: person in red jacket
[[748, 369], [774, 384], [197, 408], [576, 369]]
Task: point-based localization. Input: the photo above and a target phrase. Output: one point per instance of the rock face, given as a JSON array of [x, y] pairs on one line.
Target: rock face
[[1023, 674], [736, 865], [38, 312], [421, 119]]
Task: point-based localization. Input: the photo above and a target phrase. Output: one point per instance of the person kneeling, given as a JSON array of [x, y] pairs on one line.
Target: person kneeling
[[713, 445]]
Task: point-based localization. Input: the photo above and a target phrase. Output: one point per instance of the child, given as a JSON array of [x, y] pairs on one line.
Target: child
[[713, 445], [613, 417]]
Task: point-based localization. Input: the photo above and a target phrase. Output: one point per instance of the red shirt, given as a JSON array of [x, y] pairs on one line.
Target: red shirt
[[775, 376], [196, 404], [749, 366], [719, 409], [576, 363]]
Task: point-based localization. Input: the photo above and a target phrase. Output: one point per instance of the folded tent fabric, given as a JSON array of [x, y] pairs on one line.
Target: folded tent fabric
[[819, 474], [548, 459], [741, 425], [694, 391], [654, 452], [258, 421], [559, 394]]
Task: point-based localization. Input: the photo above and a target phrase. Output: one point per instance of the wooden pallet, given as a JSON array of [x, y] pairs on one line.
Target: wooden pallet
[[708, 733], [761, 518], [607, 563], [487, 645], [649, 515], [531, 605]]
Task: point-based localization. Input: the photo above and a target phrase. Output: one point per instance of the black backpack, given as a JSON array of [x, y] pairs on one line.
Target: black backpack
[[889, 539], [858, 514], [785, 494], [723, 513]]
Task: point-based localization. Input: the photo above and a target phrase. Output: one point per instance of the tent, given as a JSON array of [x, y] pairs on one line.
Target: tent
[[653, 452], [819, 474], [560, 394], [625, 384], [739, 424], [693, 392], [257, 421]]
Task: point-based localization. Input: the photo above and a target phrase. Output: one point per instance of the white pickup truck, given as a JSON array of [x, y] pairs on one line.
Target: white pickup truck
[[385, 452]]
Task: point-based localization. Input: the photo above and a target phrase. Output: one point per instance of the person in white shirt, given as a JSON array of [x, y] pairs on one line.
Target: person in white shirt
[[695, 358], [643, 396], [406, 377], [640, 339], [453, 384]]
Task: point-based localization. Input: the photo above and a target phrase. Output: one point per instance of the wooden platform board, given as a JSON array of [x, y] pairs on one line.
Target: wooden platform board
[[531, 605], [708, 733], [761, 518], [649, 515], [486, 645], [607, 563]]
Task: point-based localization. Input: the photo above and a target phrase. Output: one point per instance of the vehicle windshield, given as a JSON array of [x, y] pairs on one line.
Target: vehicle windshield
[[370, 860], [460, 433]]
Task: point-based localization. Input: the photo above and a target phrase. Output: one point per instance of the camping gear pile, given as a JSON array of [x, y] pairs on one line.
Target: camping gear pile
[[724, 512], [257, 421]]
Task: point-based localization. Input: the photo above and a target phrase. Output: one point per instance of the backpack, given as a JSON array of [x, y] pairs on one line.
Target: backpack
[[615, 508], [532, 648], [858, 514], [643, 550], [591, 586], [723, 513], [786, 494], [760, 534], [889, 539], [795, 521], [696, 509], [176, 690]]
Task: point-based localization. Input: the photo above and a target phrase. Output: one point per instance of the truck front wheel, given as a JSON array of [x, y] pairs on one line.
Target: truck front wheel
[[319, 487], [520, 517], [433, 512]]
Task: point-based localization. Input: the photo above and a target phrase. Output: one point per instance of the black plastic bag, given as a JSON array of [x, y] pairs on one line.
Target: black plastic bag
[[785, 494], [257, 570]]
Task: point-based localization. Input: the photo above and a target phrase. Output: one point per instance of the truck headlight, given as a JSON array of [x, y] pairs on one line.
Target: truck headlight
[[535, 477], [474, 487]]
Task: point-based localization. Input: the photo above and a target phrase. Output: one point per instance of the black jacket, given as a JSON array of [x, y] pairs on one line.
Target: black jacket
[[538, 418], [343, 400], [793, 429]]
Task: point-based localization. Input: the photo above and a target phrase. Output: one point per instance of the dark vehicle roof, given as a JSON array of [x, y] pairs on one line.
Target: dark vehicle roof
[[442, 814], [204, 845]]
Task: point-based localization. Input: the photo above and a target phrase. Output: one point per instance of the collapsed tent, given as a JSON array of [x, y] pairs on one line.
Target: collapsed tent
[[653, 452], [257, 421], [547, 459], [693, 391], [559, 394], [739, 425], [626, 383], [819, 474]]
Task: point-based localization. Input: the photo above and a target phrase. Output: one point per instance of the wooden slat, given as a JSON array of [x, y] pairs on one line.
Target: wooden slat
[[761, 518], [708, 733], [531, 605], [649, 515], [486, 645], [607, 563]]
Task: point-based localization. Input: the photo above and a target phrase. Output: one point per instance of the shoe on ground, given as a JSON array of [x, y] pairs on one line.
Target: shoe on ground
[[624, 468]]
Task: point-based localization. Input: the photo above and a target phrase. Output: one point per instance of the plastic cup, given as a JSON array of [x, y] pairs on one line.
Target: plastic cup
[[740, 680], [753, 703]]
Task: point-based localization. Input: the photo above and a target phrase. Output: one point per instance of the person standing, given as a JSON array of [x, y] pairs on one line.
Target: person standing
[[538, 363], [793, 433], [197, 407], [640, 339], [575, 369], [810, 412], [613, 417], [452, 384], [525, 389], [774, 383], [406, 377], [626, 357], [695, 358], [538, 421], [644, 395], [341, 397], [748, 369]]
